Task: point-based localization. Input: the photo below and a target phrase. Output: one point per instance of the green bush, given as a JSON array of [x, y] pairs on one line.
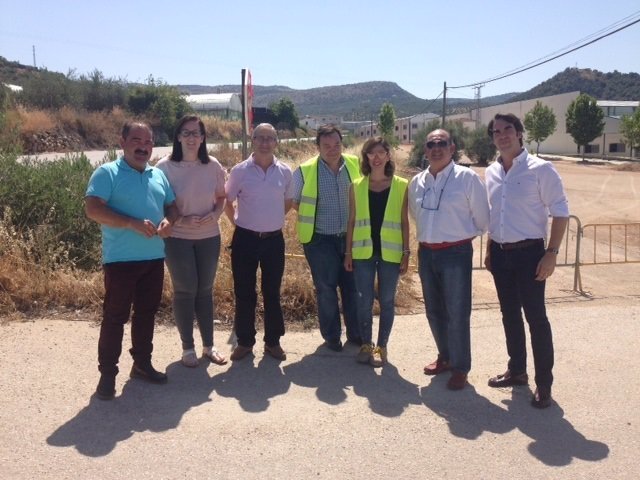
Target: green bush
[[45, 200]]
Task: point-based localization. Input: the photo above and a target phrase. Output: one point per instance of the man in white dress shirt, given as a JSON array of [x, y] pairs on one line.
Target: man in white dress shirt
[[449, 205], [523, 191]]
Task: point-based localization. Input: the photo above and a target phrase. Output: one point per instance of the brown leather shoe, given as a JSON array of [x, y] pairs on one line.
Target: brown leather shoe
[[541, 398], [436, 367], [507, 379], [240, 352], [275, 351], [457, 381]]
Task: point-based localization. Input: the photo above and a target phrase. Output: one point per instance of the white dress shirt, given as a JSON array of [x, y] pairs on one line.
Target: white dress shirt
[[522, 199], [450, 207]]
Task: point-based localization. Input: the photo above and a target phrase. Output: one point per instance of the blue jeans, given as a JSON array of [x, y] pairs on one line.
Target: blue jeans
[[364, 272], [325, 254], [446, 287], [192, 265], [514, 274]]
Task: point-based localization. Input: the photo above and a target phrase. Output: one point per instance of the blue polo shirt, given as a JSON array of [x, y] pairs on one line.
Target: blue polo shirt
[[134, 194]]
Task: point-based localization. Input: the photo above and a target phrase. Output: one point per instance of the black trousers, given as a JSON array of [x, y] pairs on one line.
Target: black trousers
[[514, 274], [248, 252]]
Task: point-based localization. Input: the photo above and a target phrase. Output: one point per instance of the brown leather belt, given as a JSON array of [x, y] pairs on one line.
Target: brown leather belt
[[443, 245], [260, 234], [529, 242]]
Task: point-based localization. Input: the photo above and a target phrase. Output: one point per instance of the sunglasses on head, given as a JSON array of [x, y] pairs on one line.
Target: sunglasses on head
[[439, 143]]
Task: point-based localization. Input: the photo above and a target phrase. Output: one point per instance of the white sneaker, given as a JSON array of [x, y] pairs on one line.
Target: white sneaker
[[189, 358]]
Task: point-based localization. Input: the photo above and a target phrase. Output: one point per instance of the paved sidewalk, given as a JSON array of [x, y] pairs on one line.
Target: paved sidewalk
[[320, 414]]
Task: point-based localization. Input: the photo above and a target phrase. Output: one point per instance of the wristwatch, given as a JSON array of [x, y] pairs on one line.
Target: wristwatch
[[555, 251]]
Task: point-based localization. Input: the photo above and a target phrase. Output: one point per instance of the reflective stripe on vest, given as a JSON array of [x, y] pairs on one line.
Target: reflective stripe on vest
[[391, 230], [309, 198]]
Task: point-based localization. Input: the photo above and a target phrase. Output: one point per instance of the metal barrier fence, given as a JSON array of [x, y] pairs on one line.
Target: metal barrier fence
[[591, 244]]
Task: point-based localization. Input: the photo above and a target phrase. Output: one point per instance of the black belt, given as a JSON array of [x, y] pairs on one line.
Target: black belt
[[260, 234], [530, 242]]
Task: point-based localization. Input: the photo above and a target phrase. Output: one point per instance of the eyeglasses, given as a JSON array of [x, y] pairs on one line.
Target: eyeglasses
[[439, 143], [190, 133], [377, 154], [424, 194], [506, 129], [264, 139]]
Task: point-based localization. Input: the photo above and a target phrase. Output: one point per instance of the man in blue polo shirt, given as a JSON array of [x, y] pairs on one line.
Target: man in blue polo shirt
[[135, 207]]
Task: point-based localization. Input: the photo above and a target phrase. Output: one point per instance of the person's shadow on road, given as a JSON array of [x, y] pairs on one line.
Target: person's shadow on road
[[555, 441], [334, 374], [101, 425], [252, 385]]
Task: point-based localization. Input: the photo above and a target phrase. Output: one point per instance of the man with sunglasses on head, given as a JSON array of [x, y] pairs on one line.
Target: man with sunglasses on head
[[450, 208], [523, 191], [258, 198]]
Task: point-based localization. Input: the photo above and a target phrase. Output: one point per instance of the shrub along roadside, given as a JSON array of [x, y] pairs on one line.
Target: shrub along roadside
[[50, 253]]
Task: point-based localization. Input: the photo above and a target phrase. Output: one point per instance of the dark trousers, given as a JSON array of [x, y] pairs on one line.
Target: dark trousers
[[247, 253], [514, 274], [126, 284]]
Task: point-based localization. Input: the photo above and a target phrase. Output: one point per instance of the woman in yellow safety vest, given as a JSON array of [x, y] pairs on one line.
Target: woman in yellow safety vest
[[377, 241]]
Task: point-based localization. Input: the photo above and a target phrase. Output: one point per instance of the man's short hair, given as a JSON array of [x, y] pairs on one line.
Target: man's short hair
[[509, 118], [128, 126], [326, 130]]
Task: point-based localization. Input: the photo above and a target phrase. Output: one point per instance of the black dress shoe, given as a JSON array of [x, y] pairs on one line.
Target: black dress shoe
[[541, 398], [148, 373], [106, 387], [335, 345], [507, 379]]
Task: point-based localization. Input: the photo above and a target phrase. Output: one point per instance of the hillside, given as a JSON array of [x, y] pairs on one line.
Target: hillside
[[603, 86], [356, 101]]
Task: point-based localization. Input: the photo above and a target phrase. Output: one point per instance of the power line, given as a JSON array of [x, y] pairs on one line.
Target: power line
[[544, 60]]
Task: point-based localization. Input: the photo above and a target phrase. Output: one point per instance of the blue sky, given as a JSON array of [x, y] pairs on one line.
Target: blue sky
[[419, 44]]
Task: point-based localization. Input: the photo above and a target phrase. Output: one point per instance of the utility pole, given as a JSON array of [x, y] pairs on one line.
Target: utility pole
[[444, 104], [33, 47], [477, 97]]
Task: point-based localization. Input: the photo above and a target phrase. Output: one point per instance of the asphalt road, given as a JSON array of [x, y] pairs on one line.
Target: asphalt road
[[321, 415]]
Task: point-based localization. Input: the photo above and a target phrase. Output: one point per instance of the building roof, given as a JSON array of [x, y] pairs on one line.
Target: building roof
[[618, 103], [215, 101]]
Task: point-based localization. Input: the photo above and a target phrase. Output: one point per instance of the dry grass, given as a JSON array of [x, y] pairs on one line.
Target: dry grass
[[35, 121], [221, 130]]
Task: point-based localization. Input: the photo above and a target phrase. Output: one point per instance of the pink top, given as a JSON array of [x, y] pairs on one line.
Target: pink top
[[260, 194], [196, 186]]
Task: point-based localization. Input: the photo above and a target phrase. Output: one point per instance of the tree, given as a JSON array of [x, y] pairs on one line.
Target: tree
[[161, 102], [387, 122], [540, 123], [584, 120], [285, 112], [630, 130], [480, 147]]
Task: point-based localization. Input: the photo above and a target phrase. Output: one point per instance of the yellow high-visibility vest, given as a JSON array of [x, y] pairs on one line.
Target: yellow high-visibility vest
[[309, 197], [391, 231]]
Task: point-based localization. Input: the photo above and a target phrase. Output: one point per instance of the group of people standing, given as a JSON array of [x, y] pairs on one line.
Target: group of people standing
[[353, 224]]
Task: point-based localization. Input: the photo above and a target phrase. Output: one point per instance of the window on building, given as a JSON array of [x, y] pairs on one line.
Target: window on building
[[592, 148], [414, 126], [616, 148], [396, 128], [404, 127], [404, 137]]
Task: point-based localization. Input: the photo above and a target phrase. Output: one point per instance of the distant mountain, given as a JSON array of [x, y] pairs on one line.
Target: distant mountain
[[356, 101], [602, 86]]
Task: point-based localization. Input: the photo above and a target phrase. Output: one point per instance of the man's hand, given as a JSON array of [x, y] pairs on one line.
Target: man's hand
[[546, 266], [144, 227], [164, 229]]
